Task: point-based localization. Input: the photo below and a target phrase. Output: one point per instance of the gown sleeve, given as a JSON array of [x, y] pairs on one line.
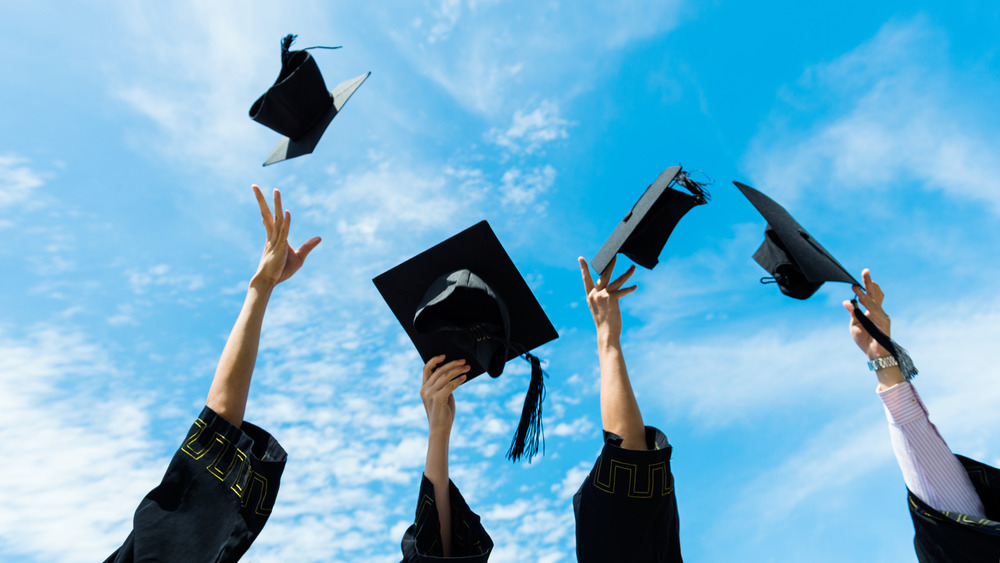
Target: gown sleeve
[[947, 537], [422, 540], [214, 499], [626, 509]]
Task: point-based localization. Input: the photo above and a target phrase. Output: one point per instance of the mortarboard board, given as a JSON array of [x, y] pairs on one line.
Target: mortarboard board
[[800, 265], [464, 298], [298, 104], [644, 231], [798, 262]]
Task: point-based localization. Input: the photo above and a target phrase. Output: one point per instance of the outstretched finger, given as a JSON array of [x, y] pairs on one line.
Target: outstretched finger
[[623, 292], [622, 278], [602, 282], [285, 226], [265, 212], [278, 212], [872, 288], [307, 247], [588, 282]]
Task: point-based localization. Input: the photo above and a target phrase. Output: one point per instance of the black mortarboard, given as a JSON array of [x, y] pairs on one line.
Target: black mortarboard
[[798, 262], [647, 226], [800, 265], [298, 104], [464, 298]]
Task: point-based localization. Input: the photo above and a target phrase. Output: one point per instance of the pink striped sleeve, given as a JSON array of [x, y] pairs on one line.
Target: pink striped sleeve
[[930, 470]]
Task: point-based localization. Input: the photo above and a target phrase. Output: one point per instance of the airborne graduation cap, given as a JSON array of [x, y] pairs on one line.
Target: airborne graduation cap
[[464, 298], [298, 105], [644, 231], [799, 264]]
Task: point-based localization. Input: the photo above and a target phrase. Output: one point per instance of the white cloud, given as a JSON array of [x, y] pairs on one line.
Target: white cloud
[[528, 132], [578, 429], [160, 276], [571, 483], [76, 454], [485, 54], [18, 181], [388, 203], [523, 191], [899, 115]]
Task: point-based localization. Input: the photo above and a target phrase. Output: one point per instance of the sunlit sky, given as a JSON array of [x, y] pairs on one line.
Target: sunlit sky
[[128, 234]]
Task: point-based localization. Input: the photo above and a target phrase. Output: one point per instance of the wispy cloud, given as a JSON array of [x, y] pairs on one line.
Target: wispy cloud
[[77, 453], [523, 191], [889, 124], [485, 54], [391, 201], [18, 181], [529, 131], [160, 276]]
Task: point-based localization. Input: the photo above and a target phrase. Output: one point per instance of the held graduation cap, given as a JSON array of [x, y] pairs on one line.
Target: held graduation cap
[[464, 298], [298, 104], [799, 264], [644, 231]]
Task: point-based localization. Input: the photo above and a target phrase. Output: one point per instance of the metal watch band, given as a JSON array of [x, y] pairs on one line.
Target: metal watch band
[[882, 363]]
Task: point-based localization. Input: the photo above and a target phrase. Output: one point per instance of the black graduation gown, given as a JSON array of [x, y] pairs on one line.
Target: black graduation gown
[[951, 537], [626, 509], [214, 499], [422, 540]]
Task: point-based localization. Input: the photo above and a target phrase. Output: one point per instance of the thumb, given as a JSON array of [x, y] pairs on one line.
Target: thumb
[[308, 247]]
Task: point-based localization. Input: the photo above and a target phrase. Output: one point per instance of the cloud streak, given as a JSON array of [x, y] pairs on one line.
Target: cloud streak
[[889, 124]]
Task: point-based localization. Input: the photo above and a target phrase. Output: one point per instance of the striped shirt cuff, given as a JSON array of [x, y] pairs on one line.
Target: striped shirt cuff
[[902, 403]]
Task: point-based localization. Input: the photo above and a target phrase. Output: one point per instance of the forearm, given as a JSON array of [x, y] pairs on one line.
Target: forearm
[[436, 471], [929, 468], [231, 385], [619, 410]]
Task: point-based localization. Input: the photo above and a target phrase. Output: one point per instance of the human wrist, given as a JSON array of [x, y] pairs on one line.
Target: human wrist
[[438, 437], [608, 339], [262, 283], [876, 353], [889, 376]]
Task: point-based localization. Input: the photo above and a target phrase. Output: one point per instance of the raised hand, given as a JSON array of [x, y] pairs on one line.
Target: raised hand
[[439, 382], [871, 298], [603, 298], [279, 261]]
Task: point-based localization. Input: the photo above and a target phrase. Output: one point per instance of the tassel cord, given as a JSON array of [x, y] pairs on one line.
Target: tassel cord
[[530, 430]]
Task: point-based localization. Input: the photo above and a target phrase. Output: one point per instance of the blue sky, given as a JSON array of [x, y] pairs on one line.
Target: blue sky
[[129, 233]]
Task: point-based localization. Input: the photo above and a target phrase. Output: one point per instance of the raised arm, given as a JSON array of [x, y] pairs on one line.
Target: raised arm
[[619, 410], [231, 385], [930, 470], [439, 382]]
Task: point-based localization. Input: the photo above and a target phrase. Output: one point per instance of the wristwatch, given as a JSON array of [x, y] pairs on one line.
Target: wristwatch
[[882, 363]]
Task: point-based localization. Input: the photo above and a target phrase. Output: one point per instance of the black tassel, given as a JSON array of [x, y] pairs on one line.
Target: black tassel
[[898, 352], [529, 429], [286, 44]]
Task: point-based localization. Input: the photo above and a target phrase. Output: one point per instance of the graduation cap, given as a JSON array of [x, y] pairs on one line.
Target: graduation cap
[[644, 231], [298, 104], [464, 298], [799, 264]]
